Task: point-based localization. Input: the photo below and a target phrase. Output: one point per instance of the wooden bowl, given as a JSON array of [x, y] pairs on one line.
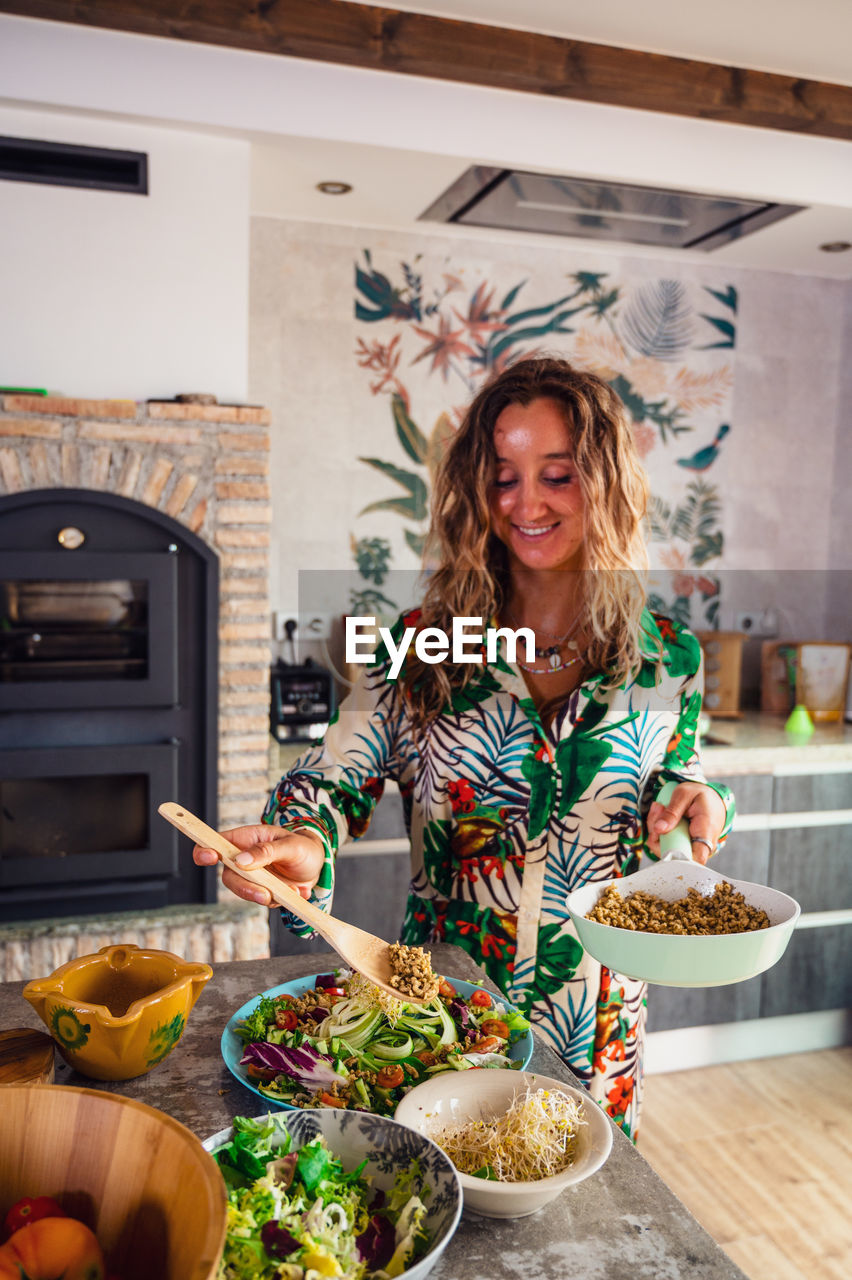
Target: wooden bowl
[[142, 1182]]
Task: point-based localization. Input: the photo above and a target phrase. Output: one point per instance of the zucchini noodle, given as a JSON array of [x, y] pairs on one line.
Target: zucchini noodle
[[393, 1046], [534, 1139]]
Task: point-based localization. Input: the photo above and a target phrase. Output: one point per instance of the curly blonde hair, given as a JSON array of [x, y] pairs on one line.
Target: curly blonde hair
[[471, 578]]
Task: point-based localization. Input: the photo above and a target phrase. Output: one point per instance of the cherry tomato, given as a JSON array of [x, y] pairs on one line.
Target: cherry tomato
[[254, 1072], [426, 1056], [285, 999], [286, 1019], [481, 999], [390, 1077], [329, 1100], [486, 1045], [495, 1027], [446, 989], [334, 991], [31, 1209]]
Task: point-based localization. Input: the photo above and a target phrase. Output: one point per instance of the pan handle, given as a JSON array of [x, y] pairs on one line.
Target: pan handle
[[674, 844]]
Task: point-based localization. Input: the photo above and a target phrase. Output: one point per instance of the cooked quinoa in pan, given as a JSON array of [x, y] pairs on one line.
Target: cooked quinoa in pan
[[723, 911]]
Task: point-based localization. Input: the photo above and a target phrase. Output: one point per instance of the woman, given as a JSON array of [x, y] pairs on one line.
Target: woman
[[522, 779]]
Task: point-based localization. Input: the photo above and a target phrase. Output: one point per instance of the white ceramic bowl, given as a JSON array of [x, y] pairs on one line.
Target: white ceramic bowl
[[387, 1147], [683, 960], [471, 1095]]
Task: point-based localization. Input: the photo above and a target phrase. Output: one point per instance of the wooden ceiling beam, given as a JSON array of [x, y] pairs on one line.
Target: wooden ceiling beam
[[384, 39]]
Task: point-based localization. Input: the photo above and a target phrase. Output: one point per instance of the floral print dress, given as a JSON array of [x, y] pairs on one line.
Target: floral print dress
[[506, 817]]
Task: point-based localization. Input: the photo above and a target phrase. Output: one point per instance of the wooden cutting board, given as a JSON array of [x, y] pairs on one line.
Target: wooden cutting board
[[26, 1057]]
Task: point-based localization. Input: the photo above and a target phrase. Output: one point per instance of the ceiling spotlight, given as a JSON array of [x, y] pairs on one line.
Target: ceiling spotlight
[[334, 188], [836, 246]]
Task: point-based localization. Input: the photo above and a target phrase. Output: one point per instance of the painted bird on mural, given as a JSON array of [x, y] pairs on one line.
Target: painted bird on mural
[[702, 458]]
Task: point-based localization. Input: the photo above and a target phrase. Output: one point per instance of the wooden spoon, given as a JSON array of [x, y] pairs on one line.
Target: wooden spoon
[[361, 950]]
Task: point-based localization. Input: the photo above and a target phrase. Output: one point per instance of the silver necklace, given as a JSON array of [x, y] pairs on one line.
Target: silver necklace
[[551, 652], [555, 665]]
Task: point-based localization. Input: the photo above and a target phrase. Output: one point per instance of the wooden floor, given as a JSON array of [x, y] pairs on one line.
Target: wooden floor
[[761, 1153]]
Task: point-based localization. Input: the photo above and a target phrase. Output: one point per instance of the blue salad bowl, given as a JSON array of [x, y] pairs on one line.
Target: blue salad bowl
[[519, 1051]]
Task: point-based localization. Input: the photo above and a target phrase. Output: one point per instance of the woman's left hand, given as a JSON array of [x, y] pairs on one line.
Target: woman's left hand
[[704, 811]]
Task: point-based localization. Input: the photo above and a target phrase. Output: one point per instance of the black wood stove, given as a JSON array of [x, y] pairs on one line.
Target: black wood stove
[[108, 703]]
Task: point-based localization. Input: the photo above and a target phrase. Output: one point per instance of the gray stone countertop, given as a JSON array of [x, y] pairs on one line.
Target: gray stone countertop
[[622, 1222], [758, 743]]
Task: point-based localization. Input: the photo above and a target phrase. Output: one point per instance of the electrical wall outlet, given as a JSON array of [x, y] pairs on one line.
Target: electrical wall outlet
[[280, 618], [315, 626], [309, 626], [762, 623]]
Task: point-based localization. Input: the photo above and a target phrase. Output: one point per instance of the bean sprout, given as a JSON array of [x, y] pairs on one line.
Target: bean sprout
[[534, 1139], [363, 991]]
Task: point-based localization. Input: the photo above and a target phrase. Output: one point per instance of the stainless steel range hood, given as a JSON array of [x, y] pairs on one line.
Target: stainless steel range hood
[[512, 200]]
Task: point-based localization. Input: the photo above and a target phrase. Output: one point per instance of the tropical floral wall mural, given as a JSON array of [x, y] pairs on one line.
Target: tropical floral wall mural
[[430, 331]]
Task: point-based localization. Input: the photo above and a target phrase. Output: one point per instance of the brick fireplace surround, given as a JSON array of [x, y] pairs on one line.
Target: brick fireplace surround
[[206, 466]]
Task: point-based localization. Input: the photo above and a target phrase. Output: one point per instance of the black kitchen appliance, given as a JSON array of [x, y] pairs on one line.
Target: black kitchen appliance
[[108, 703], [302, 702]]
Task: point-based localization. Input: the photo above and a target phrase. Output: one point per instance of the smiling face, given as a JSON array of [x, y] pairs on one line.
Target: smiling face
[[536, 503]]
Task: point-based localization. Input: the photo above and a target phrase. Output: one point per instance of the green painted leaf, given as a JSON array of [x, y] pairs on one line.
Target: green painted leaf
[[558, 957], [725, 327], [417, 541], [588, 281], [409, 508], [683, 652], [659, 320], [415, 506], [164, 1038], [646, 676], [368, 317], [727, 299], [477, 691], [636, 405], [680, 610], [375, 287], [554, 325], [438, 867], [549, 307], [689, 714], [539, 775], [511, 296], [604, 302], [410, 436], [579, 759], [407, 479], [372, 556], [707, 547]]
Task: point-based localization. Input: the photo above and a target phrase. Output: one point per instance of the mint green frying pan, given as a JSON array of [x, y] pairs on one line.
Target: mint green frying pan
[[682, 960]]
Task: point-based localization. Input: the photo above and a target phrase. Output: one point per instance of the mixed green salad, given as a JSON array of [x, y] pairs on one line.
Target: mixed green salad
[[345, 1043], [299, 1215]]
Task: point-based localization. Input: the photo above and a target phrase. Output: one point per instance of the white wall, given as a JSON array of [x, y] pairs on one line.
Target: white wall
[[106, 294]]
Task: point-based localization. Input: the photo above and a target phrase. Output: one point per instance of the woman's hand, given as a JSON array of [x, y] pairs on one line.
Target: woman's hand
[[704, 810], [295, 856]]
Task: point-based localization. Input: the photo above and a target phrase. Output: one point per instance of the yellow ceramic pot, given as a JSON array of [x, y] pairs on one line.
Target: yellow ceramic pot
[[116, 1014]]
